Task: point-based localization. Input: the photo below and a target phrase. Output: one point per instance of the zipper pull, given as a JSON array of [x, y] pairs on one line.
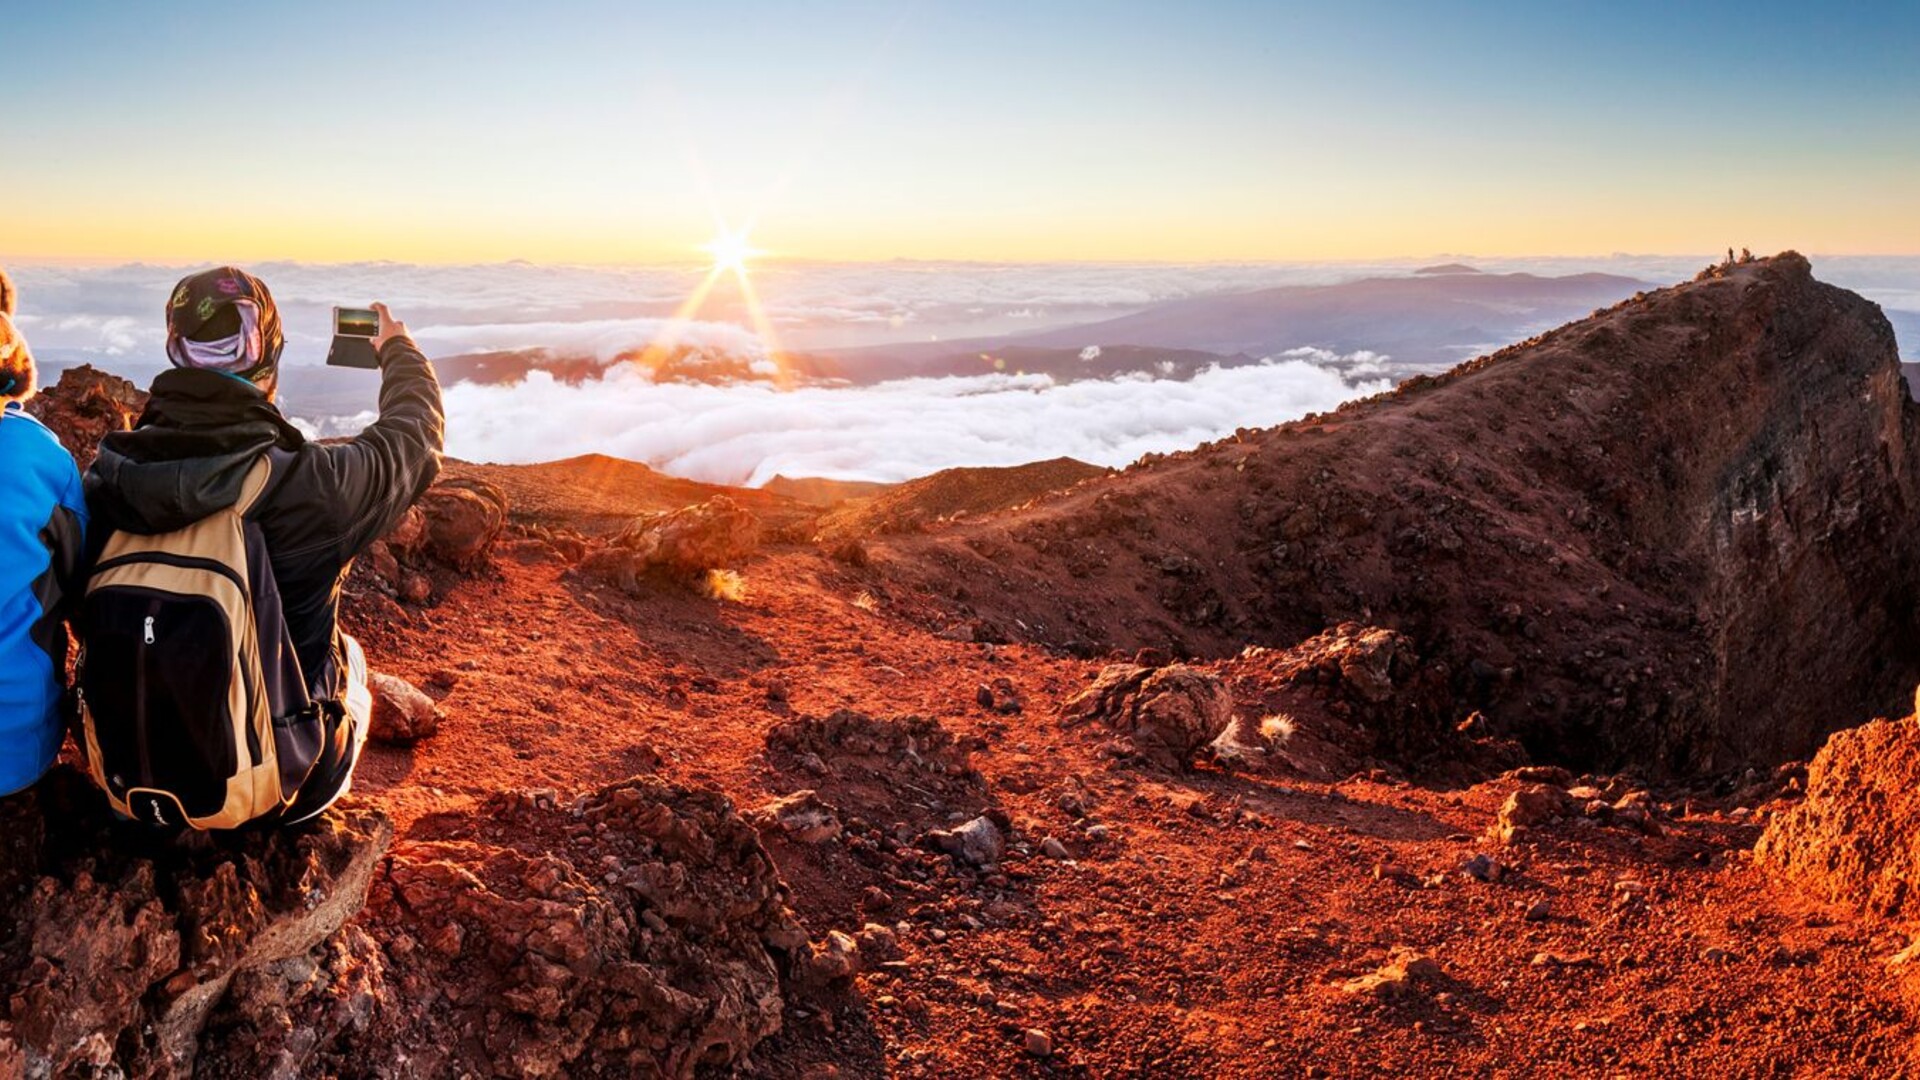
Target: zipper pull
[[149, 634]]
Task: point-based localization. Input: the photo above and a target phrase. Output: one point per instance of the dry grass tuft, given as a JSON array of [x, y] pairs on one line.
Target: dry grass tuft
[[725, 585]]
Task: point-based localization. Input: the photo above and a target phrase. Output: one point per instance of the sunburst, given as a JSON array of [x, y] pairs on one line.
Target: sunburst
[[730, 251]]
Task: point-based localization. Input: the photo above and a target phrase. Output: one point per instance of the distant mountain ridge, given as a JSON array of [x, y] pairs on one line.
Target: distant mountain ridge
[[1428, 320]]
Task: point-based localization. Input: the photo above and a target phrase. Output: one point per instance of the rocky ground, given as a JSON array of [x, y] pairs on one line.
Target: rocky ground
[[678, 782], [1145, 921]]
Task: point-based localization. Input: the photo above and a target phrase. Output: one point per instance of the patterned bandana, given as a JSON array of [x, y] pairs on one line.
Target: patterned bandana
[[252, 352]]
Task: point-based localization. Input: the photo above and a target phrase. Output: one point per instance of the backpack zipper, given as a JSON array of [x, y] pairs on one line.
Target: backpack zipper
[[140, 695]]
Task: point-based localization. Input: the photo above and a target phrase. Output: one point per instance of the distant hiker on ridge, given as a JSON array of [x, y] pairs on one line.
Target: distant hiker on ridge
[[217, 688], [42, 522]]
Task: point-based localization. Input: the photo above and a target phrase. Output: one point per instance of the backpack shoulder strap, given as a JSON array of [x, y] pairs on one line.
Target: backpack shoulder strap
[[254, 486]]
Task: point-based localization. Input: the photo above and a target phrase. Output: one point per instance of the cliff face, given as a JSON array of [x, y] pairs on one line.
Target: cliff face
[[1679, 533]]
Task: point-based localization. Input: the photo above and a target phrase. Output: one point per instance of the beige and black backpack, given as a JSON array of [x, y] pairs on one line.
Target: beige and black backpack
[[193, 711]]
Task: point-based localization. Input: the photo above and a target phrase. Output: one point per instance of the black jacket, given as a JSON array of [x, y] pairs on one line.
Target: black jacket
[[325, 504]]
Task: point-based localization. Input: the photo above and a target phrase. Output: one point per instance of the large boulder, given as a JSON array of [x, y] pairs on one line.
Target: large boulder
[[455, 525], [1852, 840], [682, 543], [1168, 714], [118, 945], [85, 406], [462, 517]]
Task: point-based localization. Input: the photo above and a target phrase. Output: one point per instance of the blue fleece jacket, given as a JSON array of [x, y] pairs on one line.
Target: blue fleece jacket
[[43, 520]]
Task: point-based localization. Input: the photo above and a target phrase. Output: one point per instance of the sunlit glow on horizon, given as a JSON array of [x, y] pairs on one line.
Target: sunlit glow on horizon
[[730, 251], [866, 133]]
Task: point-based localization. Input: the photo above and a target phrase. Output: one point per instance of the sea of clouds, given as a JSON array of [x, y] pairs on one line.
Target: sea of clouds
[[747, 432]]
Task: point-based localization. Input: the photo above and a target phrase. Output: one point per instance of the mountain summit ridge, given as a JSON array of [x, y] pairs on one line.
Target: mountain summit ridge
[[1617, 534]]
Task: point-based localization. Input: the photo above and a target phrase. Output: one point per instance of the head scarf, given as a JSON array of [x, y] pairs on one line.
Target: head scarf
[[252, 352]]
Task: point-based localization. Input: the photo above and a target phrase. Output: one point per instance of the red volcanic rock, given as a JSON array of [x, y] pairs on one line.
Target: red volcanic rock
[[456, 525], [1364, 689], [1529, 807], [409, 537], [1614, 538], [1168, 714], [638, 931], [85, 406], [402, 715], [462, 519], [121, 945], [711, 535], [1850, 841]]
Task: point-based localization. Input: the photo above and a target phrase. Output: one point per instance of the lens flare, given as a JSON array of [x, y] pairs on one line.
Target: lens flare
[[730, 251]]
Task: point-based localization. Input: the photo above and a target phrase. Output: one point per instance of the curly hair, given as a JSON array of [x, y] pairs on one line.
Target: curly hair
[[18, 377], [8, 296]]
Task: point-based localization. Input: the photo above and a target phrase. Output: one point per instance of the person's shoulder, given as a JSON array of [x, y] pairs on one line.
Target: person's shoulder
[[303, 473], [23, 432]]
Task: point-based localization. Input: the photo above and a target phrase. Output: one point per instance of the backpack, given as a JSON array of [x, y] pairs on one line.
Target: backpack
[[193, 708]]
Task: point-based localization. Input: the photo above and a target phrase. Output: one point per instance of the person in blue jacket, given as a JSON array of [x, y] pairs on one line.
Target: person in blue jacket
[[43, 519]]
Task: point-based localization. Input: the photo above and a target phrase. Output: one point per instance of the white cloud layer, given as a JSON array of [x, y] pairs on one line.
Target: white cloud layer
[[602, 339], [115, 312], [748, 433]]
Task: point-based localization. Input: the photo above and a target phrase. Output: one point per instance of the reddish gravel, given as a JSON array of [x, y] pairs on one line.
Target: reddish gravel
[[1207, 935]]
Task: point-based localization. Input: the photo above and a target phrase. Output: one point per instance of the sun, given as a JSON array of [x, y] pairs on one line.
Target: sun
[[730, 251]]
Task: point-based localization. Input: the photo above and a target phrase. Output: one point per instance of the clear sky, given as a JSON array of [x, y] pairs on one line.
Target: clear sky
[[1036, 130]]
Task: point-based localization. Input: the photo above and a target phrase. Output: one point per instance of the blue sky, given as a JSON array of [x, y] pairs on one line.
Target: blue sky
[[609, 132]]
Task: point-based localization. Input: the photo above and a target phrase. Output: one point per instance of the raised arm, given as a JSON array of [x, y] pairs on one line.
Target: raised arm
[[389, 465]]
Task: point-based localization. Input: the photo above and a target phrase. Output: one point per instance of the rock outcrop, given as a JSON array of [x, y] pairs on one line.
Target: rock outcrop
[[676, 545], [85, 406], [462, 517], [1368, 682], [1851, 840], [1166, 715], [640, 930], [1615, 536], [452, 531], [118, 946]]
